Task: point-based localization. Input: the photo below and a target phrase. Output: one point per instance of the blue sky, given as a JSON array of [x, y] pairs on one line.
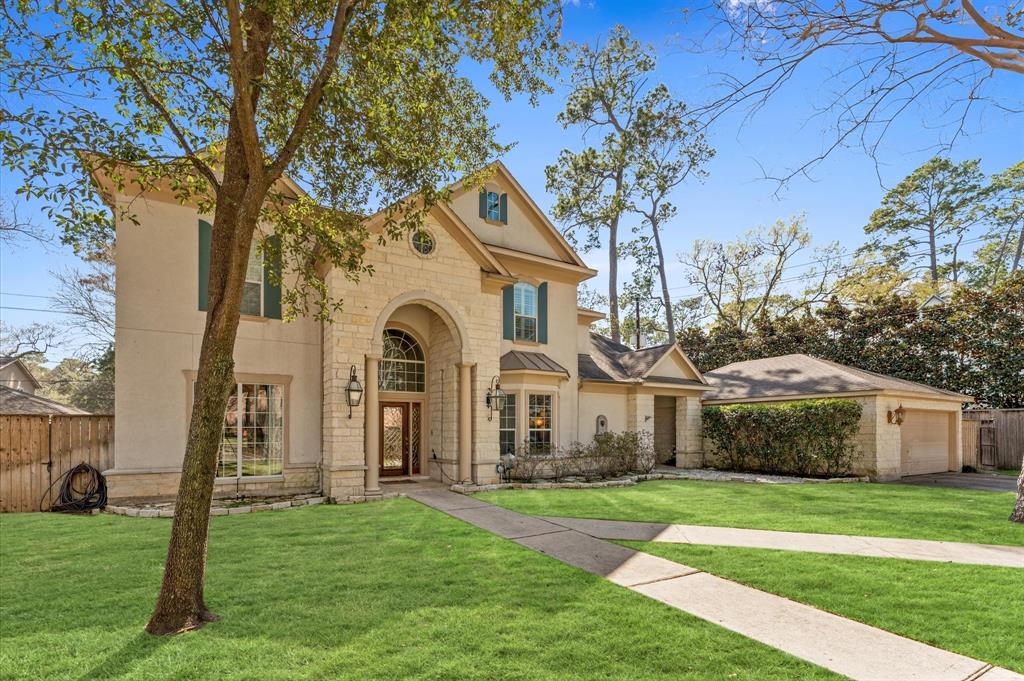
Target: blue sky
[[844, 190]]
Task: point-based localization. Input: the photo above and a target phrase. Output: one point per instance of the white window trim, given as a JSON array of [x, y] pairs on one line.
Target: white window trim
[[497, 206], [255, 252], [535, 317], [515, 423], [284, 382], [553, 428]]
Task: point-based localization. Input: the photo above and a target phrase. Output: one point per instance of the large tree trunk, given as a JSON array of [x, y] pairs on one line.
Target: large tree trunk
[[933, 255], [613, 280], [1020, 251], [180, 606], [1018, 509], [665, 297]]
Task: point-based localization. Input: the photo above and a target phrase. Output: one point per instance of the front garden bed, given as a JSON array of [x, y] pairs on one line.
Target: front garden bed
[[664, 474], [235, 506]]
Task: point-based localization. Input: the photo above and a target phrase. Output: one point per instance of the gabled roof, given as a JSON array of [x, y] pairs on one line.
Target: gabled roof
[[798, 375], [613, 362], [8, 361], [549, 230], [520, 360], [18, 402]]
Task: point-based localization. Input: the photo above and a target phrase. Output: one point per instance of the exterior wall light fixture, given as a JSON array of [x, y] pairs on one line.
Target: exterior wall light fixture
[[897, 415], [495, 398], [354, 391]]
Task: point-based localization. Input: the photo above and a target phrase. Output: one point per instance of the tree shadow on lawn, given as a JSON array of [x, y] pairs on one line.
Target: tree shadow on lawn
[[387, 589]]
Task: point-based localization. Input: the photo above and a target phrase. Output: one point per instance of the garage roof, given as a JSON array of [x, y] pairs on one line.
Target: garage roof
[[798, 375]]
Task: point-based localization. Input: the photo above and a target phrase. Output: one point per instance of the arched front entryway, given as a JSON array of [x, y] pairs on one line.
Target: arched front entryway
[[418, 410]]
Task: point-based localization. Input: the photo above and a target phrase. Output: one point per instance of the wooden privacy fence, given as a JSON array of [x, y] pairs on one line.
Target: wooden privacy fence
[[993, 438], [35, 451]]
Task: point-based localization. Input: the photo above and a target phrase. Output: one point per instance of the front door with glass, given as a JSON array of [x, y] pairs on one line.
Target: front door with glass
[[394, 438], [400, 434]]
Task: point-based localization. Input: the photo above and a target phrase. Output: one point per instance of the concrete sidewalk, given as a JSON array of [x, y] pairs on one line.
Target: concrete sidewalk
[[841, 645], [882, 547]]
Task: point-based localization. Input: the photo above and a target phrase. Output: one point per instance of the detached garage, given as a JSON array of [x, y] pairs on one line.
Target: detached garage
[[906, 428]]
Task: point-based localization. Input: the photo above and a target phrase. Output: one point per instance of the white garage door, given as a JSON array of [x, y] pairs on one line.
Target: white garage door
[[924, 439]]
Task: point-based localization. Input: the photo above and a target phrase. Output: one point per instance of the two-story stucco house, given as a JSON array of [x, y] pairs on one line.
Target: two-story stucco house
[[484, 295]]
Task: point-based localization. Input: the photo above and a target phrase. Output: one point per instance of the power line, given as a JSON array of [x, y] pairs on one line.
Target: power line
[[26, 295], [34, 309]]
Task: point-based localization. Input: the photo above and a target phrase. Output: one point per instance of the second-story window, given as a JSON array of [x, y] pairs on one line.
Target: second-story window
[[252, 293], [493, 206], [525, 301]]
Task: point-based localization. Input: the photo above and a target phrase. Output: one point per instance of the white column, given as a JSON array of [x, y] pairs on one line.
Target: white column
[[372, 421]]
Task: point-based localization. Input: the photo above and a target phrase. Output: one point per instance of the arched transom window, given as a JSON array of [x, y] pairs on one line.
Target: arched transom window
[[402, 367]]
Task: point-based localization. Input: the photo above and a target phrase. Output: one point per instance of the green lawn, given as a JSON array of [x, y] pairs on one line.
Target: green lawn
[[383, 590], [969, 609], [1012, 472], [857, 508]]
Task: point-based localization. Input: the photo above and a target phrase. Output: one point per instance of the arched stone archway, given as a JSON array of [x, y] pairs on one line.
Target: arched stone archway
[[432, 302], [446, 397]]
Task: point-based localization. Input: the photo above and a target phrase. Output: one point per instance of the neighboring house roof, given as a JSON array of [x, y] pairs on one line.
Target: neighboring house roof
[[519, 360], [9, 361], [613, 362], [18, 402], [798, 374]]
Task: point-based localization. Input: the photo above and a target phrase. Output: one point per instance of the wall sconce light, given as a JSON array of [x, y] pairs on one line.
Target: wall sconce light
[[897, 415], [495, 398], [354, 391]]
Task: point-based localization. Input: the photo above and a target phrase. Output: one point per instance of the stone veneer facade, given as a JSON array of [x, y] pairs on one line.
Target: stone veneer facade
[[450, 301]]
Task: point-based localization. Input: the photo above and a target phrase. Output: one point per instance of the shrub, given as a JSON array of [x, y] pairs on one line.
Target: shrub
[[806, 437], [609, 455]]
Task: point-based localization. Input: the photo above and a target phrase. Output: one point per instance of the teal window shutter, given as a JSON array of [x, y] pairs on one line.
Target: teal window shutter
[[272, 291], [205, 240], [504, 209], [542, 313], [483, 203], [508, 313]]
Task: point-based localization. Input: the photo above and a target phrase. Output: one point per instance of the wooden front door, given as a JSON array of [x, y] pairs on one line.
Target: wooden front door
[[394, 438]]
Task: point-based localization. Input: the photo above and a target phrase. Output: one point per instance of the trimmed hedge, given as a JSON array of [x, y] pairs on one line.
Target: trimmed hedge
[[806, 437]]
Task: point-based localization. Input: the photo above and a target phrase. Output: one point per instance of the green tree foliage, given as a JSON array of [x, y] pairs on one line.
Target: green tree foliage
[[593, 186], [671, 148], [1003, 252], [974, 344], [360, 103], [86, 384], [924, 219]]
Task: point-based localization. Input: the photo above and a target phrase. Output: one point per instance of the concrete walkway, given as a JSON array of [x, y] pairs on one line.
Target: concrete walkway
[[986, 482], [882, 547], [841, 645]]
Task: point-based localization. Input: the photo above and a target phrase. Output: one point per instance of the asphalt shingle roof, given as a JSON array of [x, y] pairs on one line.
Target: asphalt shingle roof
[[799, 374], [22, 403], [618, 363]]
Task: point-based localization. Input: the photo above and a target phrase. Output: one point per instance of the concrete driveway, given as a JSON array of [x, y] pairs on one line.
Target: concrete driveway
[[989, 482]]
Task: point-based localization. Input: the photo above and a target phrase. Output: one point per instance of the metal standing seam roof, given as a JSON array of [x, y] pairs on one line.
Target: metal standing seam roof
[[520, 360], [799, 374]]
